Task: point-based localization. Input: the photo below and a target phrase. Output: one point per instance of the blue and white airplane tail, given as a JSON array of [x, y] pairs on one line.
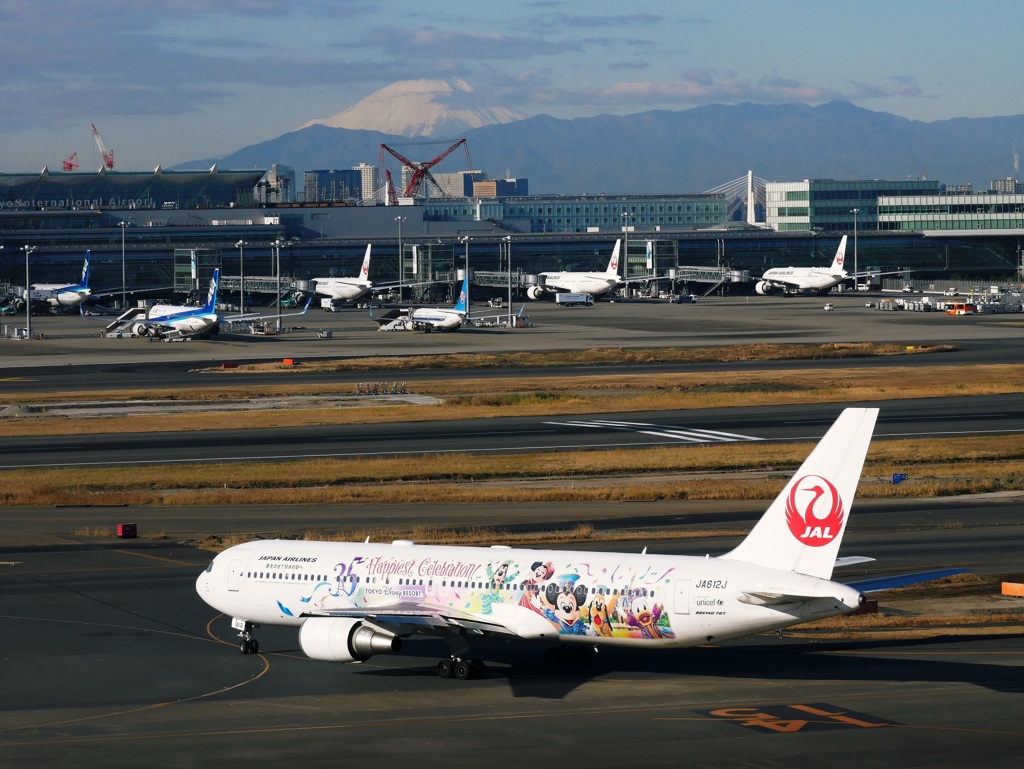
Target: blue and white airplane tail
[[802, 529], [211, 298], [837, 263], [463, 304], [84, 282]]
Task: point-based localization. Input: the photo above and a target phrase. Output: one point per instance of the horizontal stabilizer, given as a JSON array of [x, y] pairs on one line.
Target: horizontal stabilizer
[[772, 598], [902, 580], [851, 560]]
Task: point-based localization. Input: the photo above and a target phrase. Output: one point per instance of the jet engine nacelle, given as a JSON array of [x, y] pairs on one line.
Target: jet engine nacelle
[[340, 639], [763, 287], [535, 292], [140, 329]]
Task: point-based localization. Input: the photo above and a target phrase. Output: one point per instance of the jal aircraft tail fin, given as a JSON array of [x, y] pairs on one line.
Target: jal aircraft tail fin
[[802, 529], [364, 271], [837, 263], [613, 263], [211, 298], [463, 304]]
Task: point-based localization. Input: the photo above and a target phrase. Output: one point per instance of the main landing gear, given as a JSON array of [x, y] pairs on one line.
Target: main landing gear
[[461, 669], [456, 666], [246, 644]]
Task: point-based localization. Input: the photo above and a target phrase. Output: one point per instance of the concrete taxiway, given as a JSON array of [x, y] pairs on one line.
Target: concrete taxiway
[[712, 321], [111, 660]]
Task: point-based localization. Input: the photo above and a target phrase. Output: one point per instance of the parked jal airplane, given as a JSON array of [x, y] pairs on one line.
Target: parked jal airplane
[[348, 289], [799, 280], [595, 283], [351, 601], [62, 294], [427, 318]]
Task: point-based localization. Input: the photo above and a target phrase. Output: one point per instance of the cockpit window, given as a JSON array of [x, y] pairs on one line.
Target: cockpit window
[[209, 568]]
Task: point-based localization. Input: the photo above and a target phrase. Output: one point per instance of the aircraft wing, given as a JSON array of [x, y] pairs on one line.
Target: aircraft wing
[[413, 614], [254, 316]]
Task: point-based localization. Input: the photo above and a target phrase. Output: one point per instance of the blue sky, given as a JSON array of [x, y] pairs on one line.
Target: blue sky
[[167, 81]]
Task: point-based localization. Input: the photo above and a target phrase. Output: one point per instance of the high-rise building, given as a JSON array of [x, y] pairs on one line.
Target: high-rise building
[[1007, 186], [367, 184], [332, 186]]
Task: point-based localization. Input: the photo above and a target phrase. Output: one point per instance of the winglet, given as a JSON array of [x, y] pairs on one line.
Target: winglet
[[802, 529]]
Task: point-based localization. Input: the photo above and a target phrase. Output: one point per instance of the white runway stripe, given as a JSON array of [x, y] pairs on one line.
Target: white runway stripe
[[690, 435]]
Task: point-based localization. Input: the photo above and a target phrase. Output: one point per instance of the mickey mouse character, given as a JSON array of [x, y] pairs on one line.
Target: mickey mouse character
[[562, 605]]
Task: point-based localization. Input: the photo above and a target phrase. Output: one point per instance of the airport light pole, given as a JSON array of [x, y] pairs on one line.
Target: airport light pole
[[277, 246], [241, 271], [626, 216], [465, 239], [856, 280], [124, 282], [508, 256], [401, 257], [28, 292]]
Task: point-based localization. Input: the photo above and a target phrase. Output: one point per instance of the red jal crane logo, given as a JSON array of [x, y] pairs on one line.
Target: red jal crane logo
[[814, 511]]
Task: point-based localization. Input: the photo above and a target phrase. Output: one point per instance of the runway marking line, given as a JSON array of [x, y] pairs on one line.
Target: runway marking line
[[144, 708], [154, 557]]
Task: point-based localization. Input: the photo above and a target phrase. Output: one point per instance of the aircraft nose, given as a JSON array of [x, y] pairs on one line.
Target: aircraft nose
[[203, 583]]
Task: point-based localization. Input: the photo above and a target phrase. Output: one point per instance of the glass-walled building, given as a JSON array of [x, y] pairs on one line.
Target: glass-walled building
[[926, 213], [587, 213], [827, 205]]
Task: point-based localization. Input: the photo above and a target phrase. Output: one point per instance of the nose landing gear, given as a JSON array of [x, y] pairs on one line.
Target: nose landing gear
[[247, 643]]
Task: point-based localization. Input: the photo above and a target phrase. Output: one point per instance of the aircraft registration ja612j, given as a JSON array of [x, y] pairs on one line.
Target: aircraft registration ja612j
[[351, 601]]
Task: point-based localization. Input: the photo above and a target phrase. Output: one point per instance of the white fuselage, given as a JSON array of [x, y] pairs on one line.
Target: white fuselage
[[59, 294], [345, 290], [595, 283], [804, 278], [436, 317], [588, 597], [182, 318]]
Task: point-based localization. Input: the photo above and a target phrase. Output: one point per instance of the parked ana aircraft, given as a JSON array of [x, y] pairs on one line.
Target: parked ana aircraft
[[595, 283], [162, 318], [347, 289], [798, 280], [427, 318], [61, 294], [353, 600]]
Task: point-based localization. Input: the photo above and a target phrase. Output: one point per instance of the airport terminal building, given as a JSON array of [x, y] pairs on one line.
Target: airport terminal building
[[142, 219]]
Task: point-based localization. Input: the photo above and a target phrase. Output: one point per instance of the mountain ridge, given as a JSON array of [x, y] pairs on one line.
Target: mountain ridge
[[664, 151]]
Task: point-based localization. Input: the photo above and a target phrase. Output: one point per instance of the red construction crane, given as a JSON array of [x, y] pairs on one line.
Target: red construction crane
[[389, 187], [105, 152], [421, 171], [71, 164]]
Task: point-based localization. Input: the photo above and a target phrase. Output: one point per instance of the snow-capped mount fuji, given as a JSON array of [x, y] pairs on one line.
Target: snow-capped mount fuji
[[419, 108]]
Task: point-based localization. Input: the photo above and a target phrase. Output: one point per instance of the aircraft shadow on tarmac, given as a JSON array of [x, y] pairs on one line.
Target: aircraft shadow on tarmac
[[529, 674]]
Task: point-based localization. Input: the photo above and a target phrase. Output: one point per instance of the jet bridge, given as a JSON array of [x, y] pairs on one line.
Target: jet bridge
[[713, 277]]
